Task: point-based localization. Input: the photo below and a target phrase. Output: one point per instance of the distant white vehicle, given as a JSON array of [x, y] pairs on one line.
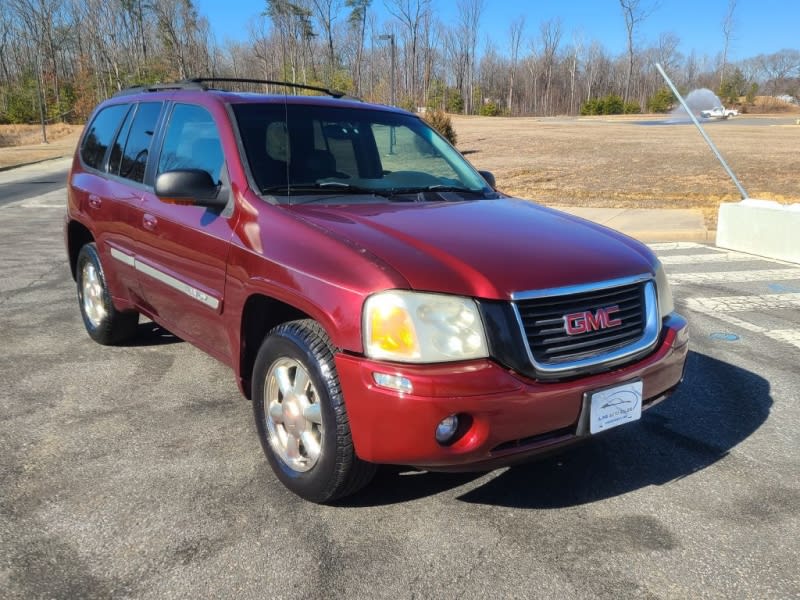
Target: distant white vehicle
[[719, 112]]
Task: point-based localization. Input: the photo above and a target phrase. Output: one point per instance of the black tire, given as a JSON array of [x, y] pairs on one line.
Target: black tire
[[336, 471], [112, 326]]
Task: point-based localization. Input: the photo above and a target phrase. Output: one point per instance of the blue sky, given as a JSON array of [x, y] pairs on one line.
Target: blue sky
[[761, 26]]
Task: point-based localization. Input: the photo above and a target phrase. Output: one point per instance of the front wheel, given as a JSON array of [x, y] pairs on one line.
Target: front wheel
[[300, 414], [104, 323]]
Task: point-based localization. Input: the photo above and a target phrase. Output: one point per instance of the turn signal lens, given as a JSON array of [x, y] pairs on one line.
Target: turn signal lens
[[392, 330]]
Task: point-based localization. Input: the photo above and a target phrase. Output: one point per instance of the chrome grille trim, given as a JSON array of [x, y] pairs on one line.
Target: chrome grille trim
[[566, 368]]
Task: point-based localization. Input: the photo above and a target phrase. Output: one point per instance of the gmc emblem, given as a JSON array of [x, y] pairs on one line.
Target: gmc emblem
[[584, 322]]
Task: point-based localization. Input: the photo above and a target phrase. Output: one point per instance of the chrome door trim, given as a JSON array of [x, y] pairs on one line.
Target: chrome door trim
[[208, 299]]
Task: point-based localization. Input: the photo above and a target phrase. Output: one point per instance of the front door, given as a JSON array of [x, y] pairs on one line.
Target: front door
[[183, 250]]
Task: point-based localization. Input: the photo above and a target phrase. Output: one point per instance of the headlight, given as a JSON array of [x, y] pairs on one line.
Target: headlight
[[422, 328], [665, 305]]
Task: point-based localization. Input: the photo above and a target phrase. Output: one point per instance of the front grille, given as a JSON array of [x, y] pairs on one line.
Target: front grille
[[544, 324]]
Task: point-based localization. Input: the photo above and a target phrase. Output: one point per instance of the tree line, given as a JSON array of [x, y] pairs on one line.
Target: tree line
[[58, 58]]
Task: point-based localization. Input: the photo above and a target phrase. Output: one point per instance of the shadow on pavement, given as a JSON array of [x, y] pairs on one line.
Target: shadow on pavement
[[151, 334], [718, 406]]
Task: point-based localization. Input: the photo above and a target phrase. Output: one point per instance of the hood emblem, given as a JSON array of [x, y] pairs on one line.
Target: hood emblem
[[588, 321]]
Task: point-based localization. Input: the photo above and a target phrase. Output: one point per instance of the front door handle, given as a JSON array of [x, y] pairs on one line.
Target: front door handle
[[95, 201], [149, 222]]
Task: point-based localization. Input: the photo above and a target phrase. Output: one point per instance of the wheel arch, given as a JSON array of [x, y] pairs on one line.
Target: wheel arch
[[78, 235], [260, 314]]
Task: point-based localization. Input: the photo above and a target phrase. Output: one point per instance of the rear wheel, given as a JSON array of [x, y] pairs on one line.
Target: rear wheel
[[300, 414], [104, 323]]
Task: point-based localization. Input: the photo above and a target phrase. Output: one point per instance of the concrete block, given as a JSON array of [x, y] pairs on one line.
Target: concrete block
[[761, 227]]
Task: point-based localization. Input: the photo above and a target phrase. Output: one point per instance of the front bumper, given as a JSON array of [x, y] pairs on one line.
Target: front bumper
[[512, 416]]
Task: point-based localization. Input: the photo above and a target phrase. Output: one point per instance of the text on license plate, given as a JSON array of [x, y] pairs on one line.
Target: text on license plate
[[615, 406]]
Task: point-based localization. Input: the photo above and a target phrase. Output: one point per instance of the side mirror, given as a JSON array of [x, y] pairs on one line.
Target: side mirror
[[487, 175], [189, 186]]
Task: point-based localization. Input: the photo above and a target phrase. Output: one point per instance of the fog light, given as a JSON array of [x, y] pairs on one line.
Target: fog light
[[447, 429], [394, 382]]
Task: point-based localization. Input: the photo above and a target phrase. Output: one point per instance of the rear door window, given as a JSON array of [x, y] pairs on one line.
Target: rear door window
[[133, 158], [100, 134]]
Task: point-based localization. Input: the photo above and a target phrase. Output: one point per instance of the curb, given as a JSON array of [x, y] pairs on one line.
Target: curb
[[33, 162], [649, 236]]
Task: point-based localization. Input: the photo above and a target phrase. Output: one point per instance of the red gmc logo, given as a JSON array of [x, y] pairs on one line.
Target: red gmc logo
[[584, 322]]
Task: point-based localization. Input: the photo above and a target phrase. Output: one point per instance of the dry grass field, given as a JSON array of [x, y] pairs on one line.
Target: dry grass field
[[620, 162], [20, 144], [593, 161]]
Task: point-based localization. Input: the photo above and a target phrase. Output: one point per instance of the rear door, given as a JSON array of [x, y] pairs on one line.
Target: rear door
[[96, 195], [182, 250], [126, 185]]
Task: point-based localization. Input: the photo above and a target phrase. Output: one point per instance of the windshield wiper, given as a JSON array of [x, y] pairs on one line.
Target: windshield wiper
[[433, 188], [451, 188], [326, 190], [321, 187]]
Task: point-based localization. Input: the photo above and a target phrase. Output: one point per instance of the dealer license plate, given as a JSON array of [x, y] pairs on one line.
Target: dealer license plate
[[615, 406]]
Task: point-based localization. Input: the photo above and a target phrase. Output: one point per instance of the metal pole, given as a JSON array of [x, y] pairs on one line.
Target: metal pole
[[702, 131], [40, 92], [391, 38], [394, 67]]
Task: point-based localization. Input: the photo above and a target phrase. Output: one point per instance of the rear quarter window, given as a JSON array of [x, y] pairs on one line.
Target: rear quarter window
[[100, 134]]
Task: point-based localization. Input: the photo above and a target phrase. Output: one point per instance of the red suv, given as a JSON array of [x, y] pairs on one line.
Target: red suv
[[377, 298]]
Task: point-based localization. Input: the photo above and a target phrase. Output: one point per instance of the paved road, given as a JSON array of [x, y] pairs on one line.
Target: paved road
[[136, 471], [741, 120], [35, 181]]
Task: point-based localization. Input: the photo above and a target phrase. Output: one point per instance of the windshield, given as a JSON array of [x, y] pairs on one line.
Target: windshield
[[323, 153]]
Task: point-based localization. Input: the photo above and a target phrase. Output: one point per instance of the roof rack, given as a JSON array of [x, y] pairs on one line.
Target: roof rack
[[200, 83], [160, 87]]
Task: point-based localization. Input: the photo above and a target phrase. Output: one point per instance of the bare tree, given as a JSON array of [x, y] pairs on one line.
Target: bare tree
[[470, 17], [550, 32], [634, 12], [728, 25], [573, 70], [779, 67], [410, 14], [326, 11], [515, 36], [358, 21], [58, 58]]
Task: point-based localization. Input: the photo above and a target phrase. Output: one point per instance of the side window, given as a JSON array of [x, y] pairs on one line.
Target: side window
[[137, 146], [192, 142], [115, 157], [100, 134]]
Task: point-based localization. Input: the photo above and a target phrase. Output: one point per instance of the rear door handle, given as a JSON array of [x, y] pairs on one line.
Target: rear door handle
[[95, 201], [149, 222]]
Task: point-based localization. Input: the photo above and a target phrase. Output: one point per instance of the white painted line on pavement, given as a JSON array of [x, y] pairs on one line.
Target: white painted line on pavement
[[791, 336], [744, 303], [720, 257], [680, 246], [734, 276]]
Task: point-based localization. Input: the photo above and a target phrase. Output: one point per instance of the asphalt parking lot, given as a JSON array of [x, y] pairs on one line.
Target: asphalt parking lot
[[136, 471]]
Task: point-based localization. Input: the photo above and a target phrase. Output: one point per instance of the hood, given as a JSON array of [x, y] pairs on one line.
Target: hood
[[486, 248]]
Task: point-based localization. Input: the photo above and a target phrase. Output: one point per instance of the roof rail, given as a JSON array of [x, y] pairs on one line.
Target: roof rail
[[201, 83], [329, 92], [160, 87]]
